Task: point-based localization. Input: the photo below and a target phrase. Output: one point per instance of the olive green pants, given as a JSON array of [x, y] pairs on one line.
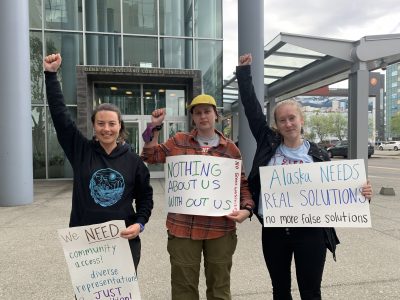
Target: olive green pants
[[185, 257]]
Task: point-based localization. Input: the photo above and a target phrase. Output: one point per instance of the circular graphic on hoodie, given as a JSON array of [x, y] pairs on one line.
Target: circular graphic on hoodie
[[106, 187]]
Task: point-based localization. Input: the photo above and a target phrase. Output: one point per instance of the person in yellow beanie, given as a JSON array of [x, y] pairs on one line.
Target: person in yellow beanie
[[190, 236]]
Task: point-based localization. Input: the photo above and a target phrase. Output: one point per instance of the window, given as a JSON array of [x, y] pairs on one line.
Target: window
[[209, 55], [70, 47], [125, 96], [63, 14], [140, 16], [176, 18], [207, 23], [140, 52], [103, 16], [176, 53], [36, 48], [103, 50], [57, 163]]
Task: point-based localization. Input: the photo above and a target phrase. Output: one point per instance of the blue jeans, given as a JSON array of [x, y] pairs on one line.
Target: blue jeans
[[307, 246], [185, 257]]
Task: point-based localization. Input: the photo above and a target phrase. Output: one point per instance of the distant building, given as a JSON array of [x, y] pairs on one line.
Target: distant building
[[392, 98], [325, 100], [335, 106]]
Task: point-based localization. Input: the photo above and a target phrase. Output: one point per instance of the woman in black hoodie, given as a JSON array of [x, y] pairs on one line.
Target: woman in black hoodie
[[108, 176]]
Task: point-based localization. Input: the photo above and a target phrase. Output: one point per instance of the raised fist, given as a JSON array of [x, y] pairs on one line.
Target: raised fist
[[52, 62], [245, 59], [157, 116]]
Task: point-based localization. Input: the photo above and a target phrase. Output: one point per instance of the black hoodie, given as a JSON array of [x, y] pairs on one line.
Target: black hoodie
[[104, 185]]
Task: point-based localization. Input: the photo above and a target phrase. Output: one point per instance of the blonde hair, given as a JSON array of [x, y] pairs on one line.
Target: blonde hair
[[292, 102]]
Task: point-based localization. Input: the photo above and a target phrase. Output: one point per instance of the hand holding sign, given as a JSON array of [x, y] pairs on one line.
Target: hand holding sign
[[131, 232], [98, 261], [239, 216]]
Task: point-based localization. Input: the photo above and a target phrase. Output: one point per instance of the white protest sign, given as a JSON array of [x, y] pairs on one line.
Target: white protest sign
[[100, 262], [202, 185], [326, 194]]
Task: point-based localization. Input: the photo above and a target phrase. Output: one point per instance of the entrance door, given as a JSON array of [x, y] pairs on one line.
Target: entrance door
[[174, 126], [133, 128], [135, 125]]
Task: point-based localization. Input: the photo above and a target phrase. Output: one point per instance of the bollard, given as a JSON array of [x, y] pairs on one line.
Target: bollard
[[387, 191]]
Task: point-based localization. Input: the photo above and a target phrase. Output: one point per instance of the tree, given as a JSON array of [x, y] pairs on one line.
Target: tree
[[38, 121], [320, 126], [337, 125], [37, 94], [310, 136]]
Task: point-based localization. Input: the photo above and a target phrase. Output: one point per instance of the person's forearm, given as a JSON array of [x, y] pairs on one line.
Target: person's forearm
[[154, 140], [150, 135]]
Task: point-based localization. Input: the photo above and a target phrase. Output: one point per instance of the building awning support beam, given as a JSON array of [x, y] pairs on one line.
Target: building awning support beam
[[358, 112]]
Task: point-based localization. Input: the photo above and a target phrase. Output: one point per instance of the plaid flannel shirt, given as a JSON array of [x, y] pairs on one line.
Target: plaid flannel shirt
[[194, 226]]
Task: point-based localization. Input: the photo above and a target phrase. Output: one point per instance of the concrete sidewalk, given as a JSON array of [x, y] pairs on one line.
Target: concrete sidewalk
[[33, 266]]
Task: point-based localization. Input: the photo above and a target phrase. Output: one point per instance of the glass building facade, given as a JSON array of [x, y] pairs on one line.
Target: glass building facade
[[178, 34], [392, 98]]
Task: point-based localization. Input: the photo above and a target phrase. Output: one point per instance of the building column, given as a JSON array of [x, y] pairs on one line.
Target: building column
[[381, 113], [16, 184], [92, 40], [358, 112], [251, 40]]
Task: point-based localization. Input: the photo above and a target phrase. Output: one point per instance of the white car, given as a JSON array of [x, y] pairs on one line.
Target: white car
[[392, 145]]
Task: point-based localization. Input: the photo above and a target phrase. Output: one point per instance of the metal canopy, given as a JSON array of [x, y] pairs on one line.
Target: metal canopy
[[296, 64]]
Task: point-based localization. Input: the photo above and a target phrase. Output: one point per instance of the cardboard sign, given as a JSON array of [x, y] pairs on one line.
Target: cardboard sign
[[202, 185], [100, 262], [326, 194]]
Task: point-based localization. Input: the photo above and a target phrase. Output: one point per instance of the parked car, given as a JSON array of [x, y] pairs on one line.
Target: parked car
[[392, 145], [342, 149], [327, 143]]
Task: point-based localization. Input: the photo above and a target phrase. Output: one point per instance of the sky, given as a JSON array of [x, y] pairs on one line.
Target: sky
[[340, 19]]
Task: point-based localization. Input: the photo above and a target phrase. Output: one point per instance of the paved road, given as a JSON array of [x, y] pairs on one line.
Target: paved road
[[33, 267]]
